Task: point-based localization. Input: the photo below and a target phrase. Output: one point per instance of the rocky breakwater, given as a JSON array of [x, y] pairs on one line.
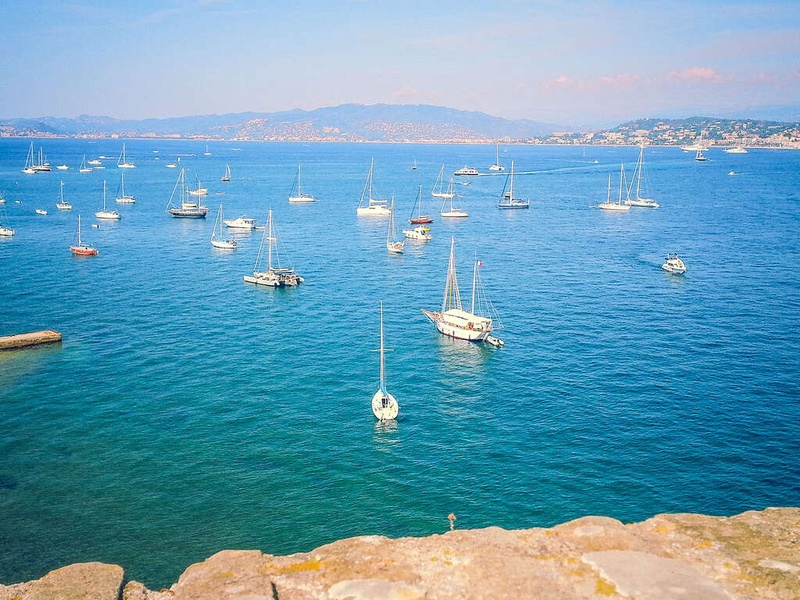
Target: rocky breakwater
[[754, 555]]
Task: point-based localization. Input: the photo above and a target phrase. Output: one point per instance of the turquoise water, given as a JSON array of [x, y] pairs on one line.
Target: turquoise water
[[187, 412]]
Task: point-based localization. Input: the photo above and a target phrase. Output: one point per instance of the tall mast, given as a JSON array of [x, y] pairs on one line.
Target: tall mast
[[269, 232], [451, 292], [383, 383], [474, 282]]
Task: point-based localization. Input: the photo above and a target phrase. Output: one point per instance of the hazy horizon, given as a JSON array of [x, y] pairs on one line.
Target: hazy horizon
[[578, 63]]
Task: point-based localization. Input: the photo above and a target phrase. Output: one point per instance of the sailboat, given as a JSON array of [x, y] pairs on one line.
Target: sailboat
[[81, 248], [393, 245], [296, 196], [700, 156], [384, 405], [227, 176], [84, 168], [107, 214], [420, 219], [414, 165], [122, 161], [616, 206], [453, 320], [637, 176], [497, 166], [200, 191], [216, 240], [29, 162], [507, 199], [451, 211], [122, 198], [206, 153], [438, 187], [5, 226], [375, 207], [61, 204], [274, 276], [186, 209]]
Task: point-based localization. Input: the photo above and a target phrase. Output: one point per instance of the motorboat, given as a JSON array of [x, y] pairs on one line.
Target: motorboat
[[465, 170], [673, 264], [240, 223]]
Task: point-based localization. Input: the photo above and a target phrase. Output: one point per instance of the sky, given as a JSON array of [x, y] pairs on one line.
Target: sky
[[575, 62]]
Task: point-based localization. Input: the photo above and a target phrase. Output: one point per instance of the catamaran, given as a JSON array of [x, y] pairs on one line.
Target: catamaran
[[186, 209], [384, 405], [375, 207], [497, 166], [274, 276], [637, 176], [507, 199], [453, 320], [296, 196], [216, 234]]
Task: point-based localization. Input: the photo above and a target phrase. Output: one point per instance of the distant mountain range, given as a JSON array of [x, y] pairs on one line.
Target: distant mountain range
[[409, 123], [348, 122]]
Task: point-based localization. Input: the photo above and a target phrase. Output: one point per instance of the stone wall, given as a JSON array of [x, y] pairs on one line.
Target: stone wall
[[751, 556]]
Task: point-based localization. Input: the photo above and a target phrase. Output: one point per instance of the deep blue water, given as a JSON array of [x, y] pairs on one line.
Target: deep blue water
[[187, 412]]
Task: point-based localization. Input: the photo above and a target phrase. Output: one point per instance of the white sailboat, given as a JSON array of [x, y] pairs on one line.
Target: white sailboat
[[451, 210], [637, 177], [375, 207], [507, 199], [122, 198], [453, 320], [216, 234], [275, 275], [296, 196], [29, 162], [497, 166], [393, 245], [616, 206], [109, 215], [700, 156], [384, 405], [200, 191], [5, 226], [84, 168], [227, 176], [122, 161], [62, 204], [438, 190], [185, 208]]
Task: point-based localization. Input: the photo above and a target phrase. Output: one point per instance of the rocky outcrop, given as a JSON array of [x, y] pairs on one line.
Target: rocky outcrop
[[755, 555]]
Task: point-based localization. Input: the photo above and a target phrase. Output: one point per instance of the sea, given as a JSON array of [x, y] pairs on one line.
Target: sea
[[187, 412]]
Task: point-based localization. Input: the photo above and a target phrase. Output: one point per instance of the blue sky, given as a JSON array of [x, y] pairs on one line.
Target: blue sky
[[577, 62]]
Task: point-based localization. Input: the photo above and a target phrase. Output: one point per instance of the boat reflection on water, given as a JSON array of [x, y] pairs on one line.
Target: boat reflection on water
[[465, 358]]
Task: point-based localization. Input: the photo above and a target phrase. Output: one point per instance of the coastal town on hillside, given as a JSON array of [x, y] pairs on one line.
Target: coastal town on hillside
[[662, 132]]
